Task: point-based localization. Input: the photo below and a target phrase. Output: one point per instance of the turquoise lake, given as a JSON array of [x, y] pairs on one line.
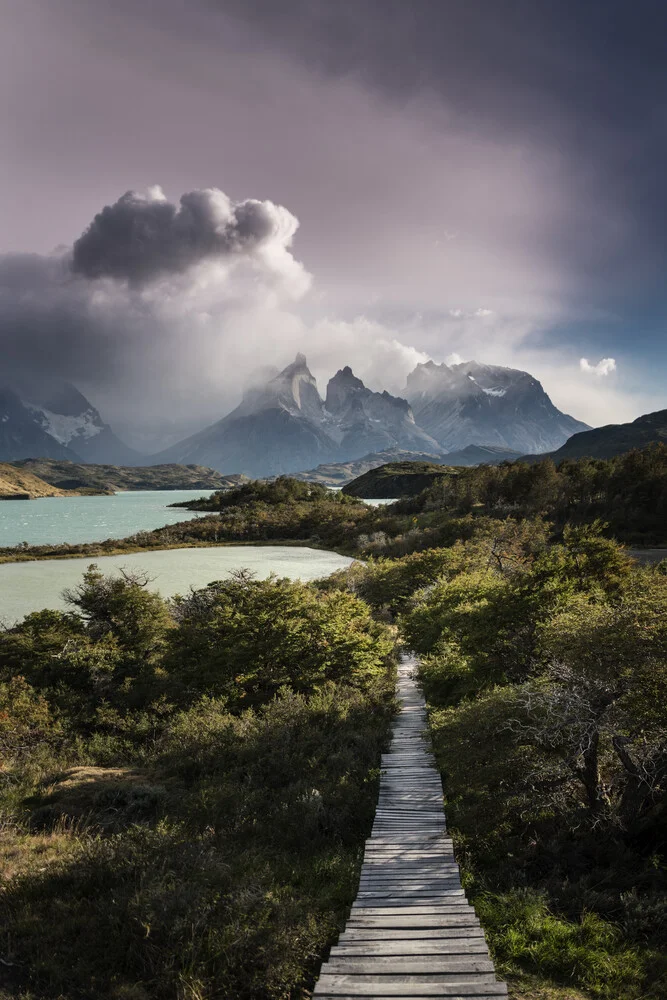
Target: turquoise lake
[[30, 586], [53, 520]]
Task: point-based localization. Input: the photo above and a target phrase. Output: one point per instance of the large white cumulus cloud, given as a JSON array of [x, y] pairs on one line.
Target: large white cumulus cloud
[[142, 237]]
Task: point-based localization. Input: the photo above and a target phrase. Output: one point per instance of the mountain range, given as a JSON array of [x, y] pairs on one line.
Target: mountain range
[[283, 425]]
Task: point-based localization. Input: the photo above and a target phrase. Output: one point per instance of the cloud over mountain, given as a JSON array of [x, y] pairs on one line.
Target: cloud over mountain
[[604, 366], [142, 237]]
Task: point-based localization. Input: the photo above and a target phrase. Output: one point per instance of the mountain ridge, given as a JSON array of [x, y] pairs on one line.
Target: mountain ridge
[[472, 403], [611, 440], [284, 426]]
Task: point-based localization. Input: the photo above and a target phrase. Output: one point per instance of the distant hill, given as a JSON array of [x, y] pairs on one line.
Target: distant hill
[[19, 484], [397, 479], [110, 478], [614, 439], [340, 473], [480, 454]]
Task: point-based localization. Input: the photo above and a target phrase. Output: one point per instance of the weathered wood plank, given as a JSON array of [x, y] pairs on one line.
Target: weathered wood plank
[[353, 933], [402, 948], [411, 986], [419, 965], [378, 991]]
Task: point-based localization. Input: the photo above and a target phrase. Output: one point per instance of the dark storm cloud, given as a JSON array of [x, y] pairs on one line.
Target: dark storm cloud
[[586, 79], [142, 237], [47, 325]]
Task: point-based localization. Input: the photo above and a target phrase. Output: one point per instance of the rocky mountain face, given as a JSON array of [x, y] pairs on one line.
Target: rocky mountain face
[[285, 426], [370, 421], [471, 403], [278, 427], [60, 424], [23, 435], [67, 416]]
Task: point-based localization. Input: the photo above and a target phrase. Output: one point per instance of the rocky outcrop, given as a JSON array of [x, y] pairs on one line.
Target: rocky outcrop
[[372, 421]]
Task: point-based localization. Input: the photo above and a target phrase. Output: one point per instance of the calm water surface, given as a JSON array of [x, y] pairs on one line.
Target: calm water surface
[[52, 520], [30, 586]]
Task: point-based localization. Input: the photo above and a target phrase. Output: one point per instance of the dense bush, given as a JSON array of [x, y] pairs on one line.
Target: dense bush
[[547, 681], [165, 840]]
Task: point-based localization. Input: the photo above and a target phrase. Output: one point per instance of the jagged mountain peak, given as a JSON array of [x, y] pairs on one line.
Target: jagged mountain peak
[[293, 389], [342, 387]]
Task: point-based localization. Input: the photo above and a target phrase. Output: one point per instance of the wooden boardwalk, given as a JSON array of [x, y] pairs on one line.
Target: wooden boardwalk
[[411, 931]]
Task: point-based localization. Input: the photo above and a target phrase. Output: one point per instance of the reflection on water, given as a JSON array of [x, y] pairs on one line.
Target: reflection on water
[[30, 586]]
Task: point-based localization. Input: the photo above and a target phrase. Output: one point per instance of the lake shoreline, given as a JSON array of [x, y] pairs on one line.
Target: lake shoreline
[[119, 550], [34, 585]]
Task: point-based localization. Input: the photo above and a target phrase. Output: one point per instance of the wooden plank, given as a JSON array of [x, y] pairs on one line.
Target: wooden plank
[[418, 965], [353, 933], [455, 946], [356, 987], [407, 985]]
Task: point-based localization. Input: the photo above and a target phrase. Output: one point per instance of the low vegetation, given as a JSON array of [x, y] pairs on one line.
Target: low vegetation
[[187, 784], [545, 668], [185, 787]]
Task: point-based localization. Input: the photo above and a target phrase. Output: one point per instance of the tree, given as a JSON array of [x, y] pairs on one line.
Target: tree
[[602, 704], [122, 607], [246, 638]]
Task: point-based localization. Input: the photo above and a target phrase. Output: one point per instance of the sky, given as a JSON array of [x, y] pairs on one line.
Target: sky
[[190, 191]]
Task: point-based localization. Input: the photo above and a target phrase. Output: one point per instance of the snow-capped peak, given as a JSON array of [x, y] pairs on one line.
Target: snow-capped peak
[[65, 428]]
